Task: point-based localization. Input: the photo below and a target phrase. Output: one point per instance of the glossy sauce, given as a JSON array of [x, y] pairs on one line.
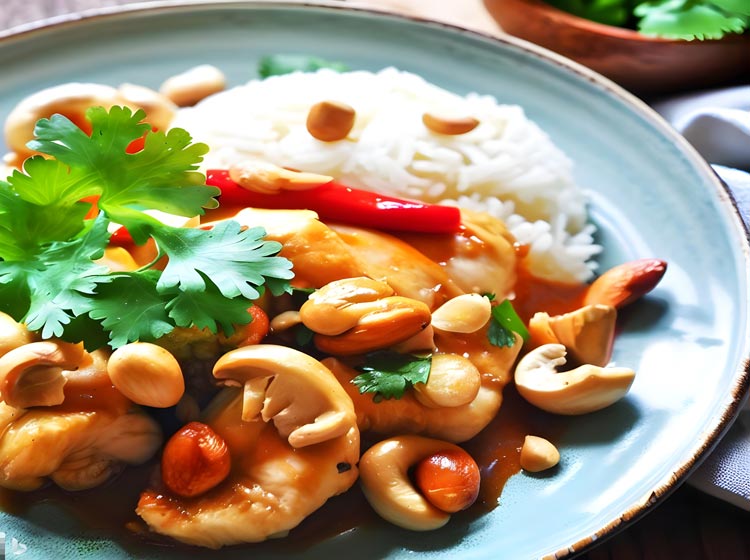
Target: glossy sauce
[[110, 509]]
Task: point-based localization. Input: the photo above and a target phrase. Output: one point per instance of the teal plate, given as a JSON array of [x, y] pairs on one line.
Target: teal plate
[[652, 196]]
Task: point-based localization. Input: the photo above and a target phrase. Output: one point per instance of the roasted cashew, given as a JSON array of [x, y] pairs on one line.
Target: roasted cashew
[[339, 305], [359, 315], [270, 375], [587, 333], [579, 391], [384, 474], [33, 374], [266, 178]]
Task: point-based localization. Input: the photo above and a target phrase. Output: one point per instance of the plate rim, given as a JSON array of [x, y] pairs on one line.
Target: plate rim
[[738, 393]]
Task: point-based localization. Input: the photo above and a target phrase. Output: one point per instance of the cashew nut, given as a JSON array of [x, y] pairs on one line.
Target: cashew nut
[[147, 374], [538, 454], [579, 391], [359, 315], [453, 381], [12, 334], [193, 85], [449, 125], [34, 374], [587, 333], [266, 178], [384, 474], [338, 306], [271, 375], [466, 313]]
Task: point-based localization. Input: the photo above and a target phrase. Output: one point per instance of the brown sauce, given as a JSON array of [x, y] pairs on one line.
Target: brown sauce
[[110, 508]]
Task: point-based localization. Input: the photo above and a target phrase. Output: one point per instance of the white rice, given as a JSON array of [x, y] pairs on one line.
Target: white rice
[[506, 166]]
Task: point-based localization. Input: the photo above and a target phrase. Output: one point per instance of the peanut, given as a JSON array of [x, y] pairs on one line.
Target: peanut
[[330, 121], [448, 479], [466, 313], [195, 460], [147, 374], [538, 454]]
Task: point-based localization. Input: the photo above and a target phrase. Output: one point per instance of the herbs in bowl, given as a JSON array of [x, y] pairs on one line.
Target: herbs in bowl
[[653, 47]]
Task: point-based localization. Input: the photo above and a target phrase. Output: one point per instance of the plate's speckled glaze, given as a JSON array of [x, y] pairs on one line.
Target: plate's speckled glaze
[[651, 196]]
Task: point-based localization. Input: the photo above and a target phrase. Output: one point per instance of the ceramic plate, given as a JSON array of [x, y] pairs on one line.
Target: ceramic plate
[[652, 196]]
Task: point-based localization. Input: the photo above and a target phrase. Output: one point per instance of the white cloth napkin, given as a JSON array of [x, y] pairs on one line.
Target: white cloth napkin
[[717, 123]]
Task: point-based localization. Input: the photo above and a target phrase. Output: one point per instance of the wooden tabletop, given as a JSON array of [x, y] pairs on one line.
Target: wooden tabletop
[[687, 525]]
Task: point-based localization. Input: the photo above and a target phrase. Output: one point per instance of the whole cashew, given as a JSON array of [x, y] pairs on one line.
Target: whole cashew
[[579, 391]]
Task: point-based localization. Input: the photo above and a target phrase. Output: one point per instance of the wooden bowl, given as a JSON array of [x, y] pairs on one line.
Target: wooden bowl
[[644, 65]]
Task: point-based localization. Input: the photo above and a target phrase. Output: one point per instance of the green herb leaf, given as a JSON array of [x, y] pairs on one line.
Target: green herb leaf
[[162, 176], [388, 374], [237, 261], [739, 7], [130, 308], [505, 322], [49, 277], [62, 287], [279, 64], [687, 19], [608, 12], [208, 309]]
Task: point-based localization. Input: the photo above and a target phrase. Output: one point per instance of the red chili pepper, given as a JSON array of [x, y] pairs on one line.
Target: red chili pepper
[[336, 202]]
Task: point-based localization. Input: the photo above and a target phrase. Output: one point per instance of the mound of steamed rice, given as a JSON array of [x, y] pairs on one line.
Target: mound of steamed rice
[[506, 166]]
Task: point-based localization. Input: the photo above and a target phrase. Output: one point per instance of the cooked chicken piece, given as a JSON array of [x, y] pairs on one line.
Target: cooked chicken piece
[[481, 258], [323, 253], [79, 443], [76, 449], [318, 254], [298, 446], [405, 269]]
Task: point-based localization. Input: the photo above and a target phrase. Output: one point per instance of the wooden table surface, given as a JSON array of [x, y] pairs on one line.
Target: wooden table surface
[[687, 525]]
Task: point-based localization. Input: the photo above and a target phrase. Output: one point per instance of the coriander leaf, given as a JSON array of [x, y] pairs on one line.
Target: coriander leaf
[[29, 218], [303, 335], [62, 288], [131, 308], [504, 323], [162, 176], [204, 309], [608, 12], [388, 374], [687, 20], [237, 261], [739, 7], [279, 64]]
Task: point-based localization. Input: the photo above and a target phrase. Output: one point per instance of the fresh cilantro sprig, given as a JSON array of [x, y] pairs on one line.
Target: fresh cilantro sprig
[[49, 275], [388, 374], [669, 19], [505, 321]]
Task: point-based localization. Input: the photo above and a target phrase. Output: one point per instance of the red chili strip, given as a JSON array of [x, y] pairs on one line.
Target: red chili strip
[[336, 202]]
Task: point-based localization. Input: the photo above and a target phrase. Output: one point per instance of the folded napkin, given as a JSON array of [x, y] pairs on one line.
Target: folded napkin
[[717, 124]]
